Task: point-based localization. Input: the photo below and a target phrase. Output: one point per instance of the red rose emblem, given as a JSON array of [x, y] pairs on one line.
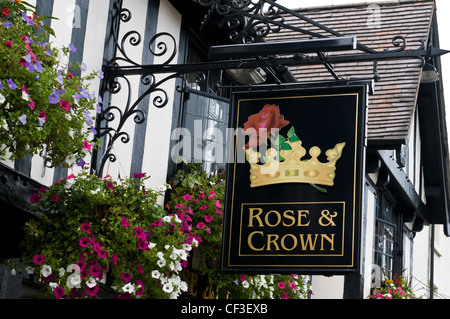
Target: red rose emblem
[[264, 122]]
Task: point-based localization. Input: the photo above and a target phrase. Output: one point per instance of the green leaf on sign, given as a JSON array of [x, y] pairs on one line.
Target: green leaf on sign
[[286, 147]]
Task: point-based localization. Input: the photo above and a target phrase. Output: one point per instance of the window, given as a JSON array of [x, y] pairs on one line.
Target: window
[[206, 120], [387, 238], [205, 115]]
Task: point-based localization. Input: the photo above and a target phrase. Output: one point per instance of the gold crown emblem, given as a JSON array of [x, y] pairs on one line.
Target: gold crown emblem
[[284, 162], [292, 169]]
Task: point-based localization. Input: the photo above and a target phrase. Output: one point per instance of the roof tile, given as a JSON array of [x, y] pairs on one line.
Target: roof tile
[[392, 105]]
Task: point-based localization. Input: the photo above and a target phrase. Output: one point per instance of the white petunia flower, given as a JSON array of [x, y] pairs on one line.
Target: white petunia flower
[[91, 282], [25, 96], [53, 285], [187, 247], [155, 274], [2, 99], [75, 281], [29, 270], [161, 262], [151, 245], [168, 287], [128, 288], [46, 271], [183, 286], [167, 219], [61, 272]]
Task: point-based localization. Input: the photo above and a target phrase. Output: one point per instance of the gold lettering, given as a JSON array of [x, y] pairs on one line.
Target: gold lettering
[[272, 241], [278, 218], [329, 218], [251, 217], [330, 240], [302, 214], [283, 244], [249, 241], [309, 242], [287, 215]]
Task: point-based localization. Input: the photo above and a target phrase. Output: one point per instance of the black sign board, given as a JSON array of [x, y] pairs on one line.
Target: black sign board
[[294, 180]]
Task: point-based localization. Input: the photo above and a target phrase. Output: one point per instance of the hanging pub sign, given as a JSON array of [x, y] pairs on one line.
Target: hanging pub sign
[[294, 180]]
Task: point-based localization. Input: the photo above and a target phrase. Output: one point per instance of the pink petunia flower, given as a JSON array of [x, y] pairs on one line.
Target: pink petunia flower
[[124, 222], [86, 145], [139, 268], [64, 104], [95, 270], [140, 233], [126, 277], [85, 227], [84, 242], [208, 218], [114, 258], [58, 292], [92, 291], [218, 205], [187, 197], [35, 198], [38, 259], [201, 225], [55, 198], [281, 285], [102, 253]]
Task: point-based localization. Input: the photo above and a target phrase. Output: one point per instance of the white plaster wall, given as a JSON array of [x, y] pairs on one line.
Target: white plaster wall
[[159, 121], [368, 233], [327, 287]]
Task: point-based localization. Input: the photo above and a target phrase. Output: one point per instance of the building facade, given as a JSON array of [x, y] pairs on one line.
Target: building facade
[[137, 43]]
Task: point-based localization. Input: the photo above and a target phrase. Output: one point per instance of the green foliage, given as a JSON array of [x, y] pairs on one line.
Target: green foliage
[[105, 227], [198, 199], [396, 288]]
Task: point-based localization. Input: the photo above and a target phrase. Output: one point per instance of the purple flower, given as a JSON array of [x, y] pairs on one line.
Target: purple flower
[[11, 84], [80, 162], [38, 66], [93, 130], [87, 117], [23, 119], [27, 19], [30, 67], [53, 98], [7, 25], [60, 79], [49, 52], [72, 48]]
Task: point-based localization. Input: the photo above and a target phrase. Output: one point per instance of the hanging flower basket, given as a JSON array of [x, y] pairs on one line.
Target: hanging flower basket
[[45, 107], [89, 227]]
